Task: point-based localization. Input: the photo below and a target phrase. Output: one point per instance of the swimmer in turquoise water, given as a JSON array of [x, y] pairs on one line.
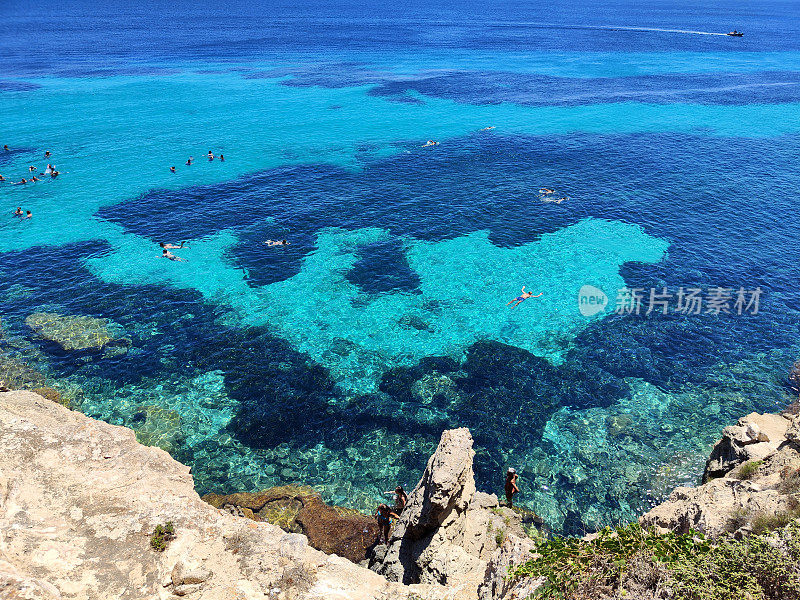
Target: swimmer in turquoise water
[[525, 295], [172, 169], [167, 254]]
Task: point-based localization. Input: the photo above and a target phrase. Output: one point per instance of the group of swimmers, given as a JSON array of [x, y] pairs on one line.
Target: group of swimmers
[[384, 514], [190, 160], [50, 171], [26, 215], [549, 195]]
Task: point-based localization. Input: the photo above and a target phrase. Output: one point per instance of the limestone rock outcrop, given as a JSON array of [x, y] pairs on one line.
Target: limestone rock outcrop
[[754, 471], [80, 499], [753, 438], [448, 531], [299, 509]]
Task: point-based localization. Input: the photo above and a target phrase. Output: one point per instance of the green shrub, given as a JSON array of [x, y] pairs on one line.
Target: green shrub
[[748, 469], [763, 522], [577, 568], [161, 535]]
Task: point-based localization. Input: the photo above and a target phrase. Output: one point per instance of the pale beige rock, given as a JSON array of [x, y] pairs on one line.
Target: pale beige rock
[[726, 504], [755, 437], [448, 531], [80, 498]]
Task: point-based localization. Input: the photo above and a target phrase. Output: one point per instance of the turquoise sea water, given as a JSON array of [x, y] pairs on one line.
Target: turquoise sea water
[[337, 360]]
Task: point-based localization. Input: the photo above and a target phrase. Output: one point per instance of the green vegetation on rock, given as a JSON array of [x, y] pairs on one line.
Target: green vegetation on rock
[[161, 535], [632, 561]]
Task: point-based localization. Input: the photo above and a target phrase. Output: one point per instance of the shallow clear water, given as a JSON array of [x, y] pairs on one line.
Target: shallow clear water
[[338, 360]]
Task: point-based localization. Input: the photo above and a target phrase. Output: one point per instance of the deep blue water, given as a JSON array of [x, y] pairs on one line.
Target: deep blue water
[[637, 113]]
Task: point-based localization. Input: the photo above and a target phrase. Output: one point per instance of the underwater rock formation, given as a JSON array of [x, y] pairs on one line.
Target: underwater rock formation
[[71, 332], [298, 509]]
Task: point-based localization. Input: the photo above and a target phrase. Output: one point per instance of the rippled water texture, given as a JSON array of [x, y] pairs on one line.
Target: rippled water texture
[[337, 360]]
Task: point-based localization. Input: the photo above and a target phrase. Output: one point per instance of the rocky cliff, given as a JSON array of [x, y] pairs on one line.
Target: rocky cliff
[[753, 473], [80, 500]]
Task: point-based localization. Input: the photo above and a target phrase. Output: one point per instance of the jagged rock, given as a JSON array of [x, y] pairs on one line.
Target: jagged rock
[[71, 332], [80, 498], [793, 431], [298, 509], [514, 551], [447, 531], [185, 590], [726, 505], [753, 438]]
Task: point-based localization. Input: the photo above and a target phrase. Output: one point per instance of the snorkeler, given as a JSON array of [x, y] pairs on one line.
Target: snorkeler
[[511, 486], [276, 243], [171, 246], [384, 516], [172, 169], [525, 295], [167, 254]]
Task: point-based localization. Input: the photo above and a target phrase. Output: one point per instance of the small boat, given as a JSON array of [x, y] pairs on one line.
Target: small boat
[[735, 33]]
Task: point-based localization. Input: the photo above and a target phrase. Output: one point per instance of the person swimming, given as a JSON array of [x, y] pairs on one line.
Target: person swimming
[[210, 155], [2, 178], [276, 243], [54, 174], [28, 214], [47, 153], [5, 147], [487, 128], [23, 180], [221, 158], [34, 178], [167, 254], [546, 191], [172, 169], [18, 212], [189, 161], [525, 295], [31, 168], [171, 246], [430, 143]]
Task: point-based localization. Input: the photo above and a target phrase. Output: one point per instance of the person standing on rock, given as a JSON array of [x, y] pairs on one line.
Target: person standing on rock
[[384, 516], [511, 486], [400, 498]]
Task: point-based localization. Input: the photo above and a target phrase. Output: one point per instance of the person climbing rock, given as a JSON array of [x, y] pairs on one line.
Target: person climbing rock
[[384, 516]]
